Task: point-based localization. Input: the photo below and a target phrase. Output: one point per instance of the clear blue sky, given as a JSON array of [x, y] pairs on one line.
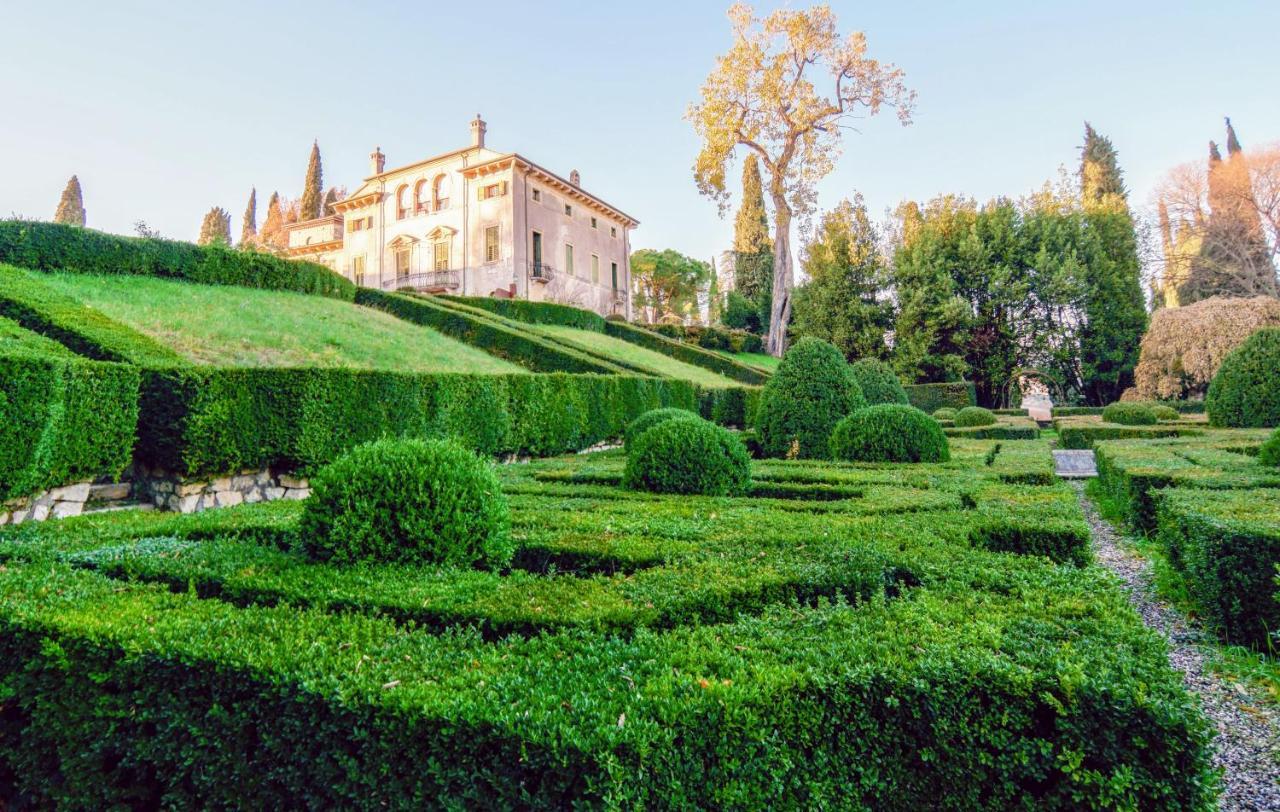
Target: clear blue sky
[[165, 109]]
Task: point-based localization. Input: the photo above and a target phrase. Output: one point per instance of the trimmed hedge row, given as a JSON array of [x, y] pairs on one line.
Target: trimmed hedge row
[[63, 420], [57, 247], [711, 338], [520, 347], [1076, 433], [1227, 544], [930, 397], [1008, 430], [688, 353], [535, 312]]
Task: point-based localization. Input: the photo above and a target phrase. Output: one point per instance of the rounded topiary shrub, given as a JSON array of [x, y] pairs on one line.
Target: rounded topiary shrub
[[690, 457], [652, 418], [1246, 391], [878, 381], [945, 413], [1130, 414], [812, 390], [889, 432], [1163, 412], [971, 416], [408, 502], [1269, 454]]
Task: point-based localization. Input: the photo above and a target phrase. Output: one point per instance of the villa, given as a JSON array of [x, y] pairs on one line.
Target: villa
[[476, 222]]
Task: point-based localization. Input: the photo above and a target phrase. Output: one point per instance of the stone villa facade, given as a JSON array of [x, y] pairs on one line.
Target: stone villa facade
[[475, 222]]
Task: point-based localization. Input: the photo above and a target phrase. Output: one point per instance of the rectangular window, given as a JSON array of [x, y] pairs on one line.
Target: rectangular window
[[568, 259], [595, 269], [538, 271], [568, 210], [593, 222], [402, 262], [440, 256], [357, 270], [537, 195], [492, 190], [613, 266], [491, 250], [613, 232]]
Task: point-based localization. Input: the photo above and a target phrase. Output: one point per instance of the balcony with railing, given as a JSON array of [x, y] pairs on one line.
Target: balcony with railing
[[541, 272], [431, 281]]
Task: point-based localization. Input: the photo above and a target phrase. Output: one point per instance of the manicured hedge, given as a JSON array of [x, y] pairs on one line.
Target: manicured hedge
[[686, 352], [63, 420], [535, 312], [518, 346], [730, 405], [878, 381], [57, 247], [1245, 392], [889, 432], [1227, 543], [203, 420], [973, 417], [812, 390], [930, 397], [1008, 429], [1130, 414], [687, 456], [1080, 433]]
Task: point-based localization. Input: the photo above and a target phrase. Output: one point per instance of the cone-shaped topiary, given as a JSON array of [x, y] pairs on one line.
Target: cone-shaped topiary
[[812, 390], [971, 416], [688, 456], [652, 418], [1246, 391], [1128, 413], [878, 381], [945, 413], [1269, 454], [889, 432], [408, 502]]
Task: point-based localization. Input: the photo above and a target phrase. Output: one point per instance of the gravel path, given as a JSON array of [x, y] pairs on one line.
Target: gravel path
[[1248, 744]]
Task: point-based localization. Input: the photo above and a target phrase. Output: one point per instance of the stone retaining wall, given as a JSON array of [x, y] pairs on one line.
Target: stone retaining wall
[[169, 492], [58, 503]]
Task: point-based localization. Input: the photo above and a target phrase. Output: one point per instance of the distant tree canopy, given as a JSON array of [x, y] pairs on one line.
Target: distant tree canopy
[[216, 227], [71, 205], [839, 302], [667, 282], [249, 223]]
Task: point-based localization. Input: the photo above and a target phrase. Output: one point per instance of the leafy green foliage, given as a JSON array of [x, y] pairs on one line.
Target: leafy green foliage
[[929, 397], [812, 390], [1245, 392], [688, 456], [652, 418], [1269, 452], [536, 312], [878, 382], [945, 413], [889, 432], [215, 229], [667, 281], [1130, 414], [740, 313], [971, 416], [408, 502], [56, 247], [1163, 412], [309, 208], [689, 354]]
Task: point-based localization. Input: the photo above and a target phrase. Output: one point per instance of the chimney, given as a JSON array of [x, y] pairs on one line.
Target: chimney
[[575, 178], [377, 161], [477, 132]]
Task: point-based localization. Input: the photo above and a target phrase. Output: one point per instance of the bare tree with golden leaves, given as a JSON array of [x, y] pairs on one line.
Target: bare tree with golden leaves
[[765, 95]]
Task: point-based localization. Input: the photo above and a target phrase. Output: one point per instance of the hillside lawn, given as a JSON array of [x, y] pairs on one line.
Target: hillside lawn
[[244, 327], [617, 349], [759, 360]]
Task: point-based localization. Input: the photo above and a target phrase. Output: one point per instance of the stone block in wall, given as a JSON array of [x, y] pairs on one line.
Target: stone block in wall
[[292, 482], [111, 492], [78, 492]]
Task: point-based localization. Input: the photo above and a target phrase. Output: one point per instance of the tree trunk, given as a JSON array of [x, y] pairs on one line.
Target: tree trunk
[[780, 313]]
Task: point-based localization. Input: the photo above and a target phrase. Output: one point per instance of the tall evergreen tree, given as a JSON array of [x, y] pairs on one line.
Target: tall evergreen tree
[[216, 227], [753, 249], [249, 223], [1115, 313], [71, 204], [330, 197], [839, 303], [272, 232], [311, 190]]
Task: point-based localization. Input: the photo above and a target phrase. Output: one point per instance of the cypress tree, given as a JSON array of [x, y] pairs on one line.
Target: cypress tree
[[330, 197], [311, 200], [71, 205], [753, 249], [216, 227], [249, 224], [1099, 168], [272, 228]]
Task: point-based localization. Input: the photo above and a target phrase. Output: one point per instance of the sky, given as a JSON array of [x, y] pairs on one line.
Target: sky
[[166, 109]]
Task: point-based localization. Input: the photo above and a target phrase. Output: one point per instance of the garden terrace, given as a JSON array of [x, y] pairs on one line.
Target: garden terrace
[[643, 651]]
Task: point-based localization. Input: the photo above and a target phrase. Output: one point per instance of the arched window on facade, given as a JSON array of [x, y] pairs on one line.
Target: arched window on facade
[[402, 202], [421, 203], [440, 192]]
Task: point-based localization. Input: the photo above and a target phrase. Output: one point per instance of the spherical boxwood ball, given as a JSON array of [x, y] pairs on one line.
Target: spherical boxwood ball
[[688, 456], [1130, 414], [1163, 412], [1269, 454], [971, 416], [889, 432], [1245, 392], [812, 389], [652, 418], [945, 413], [408, 502], [878, 382]]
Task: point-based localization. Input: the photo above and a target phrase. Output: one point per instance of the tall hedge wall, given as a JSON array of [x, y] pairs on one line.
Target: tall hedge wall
[[518, 346], [56, 247], [203, 421], [62, 420], [535, 312], [688, 353], [930, 397]]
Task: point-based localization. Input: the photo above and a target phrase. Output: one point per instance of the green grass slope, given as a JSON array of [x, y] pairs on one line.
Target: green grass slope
[[242, 327], [633, 355]]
